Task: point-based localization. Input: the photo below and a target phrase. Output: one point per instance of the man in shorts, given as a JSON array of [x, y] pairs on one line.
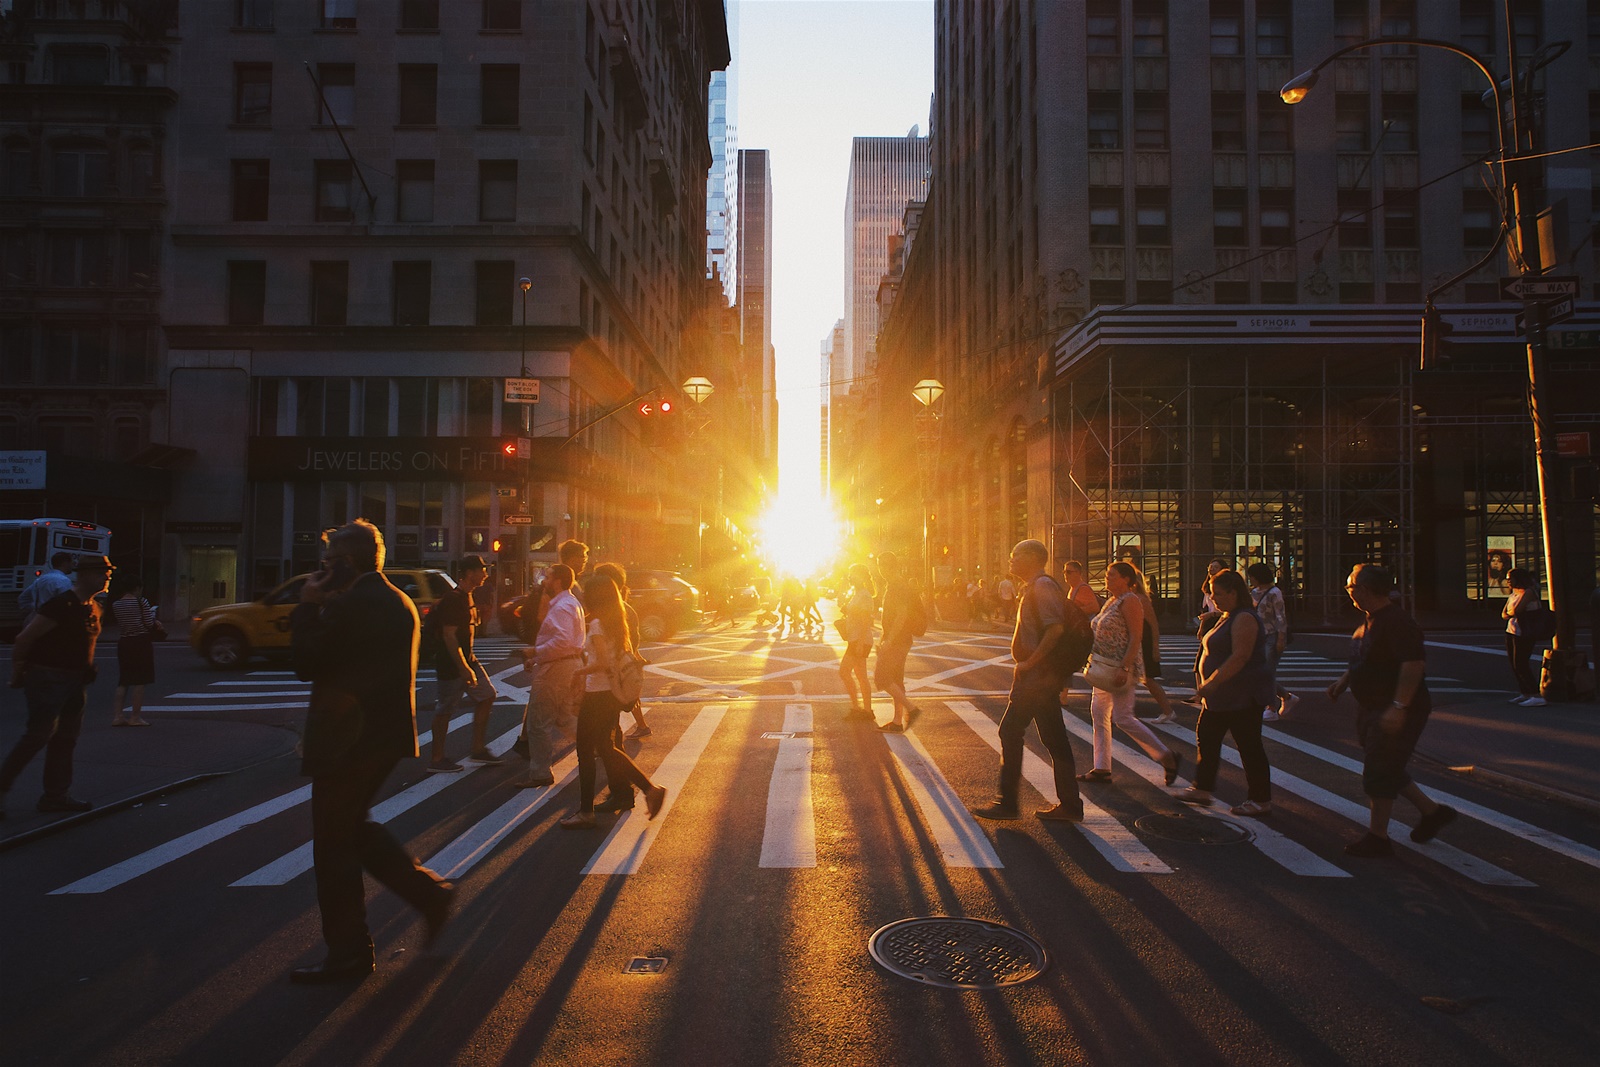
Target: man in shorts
[[461, 678], [1386, 675]]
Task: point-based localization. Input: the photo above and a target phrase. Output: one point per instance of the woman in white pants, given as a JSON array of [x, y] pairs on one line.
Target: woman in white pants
[[1117, 632]]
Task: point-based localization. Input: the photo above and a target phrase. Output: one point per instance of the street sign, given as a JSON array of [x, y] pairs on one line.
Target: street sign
[[1552, 313], [516, 520], [1575, 339], [526, 390], [1190, 525], [1575, 445], [505, 490], [1536, 287]]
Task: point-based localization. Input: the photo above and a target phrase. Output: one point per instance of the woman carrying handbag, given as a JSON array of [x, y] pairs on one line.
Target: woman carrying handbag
[[1114, 665]]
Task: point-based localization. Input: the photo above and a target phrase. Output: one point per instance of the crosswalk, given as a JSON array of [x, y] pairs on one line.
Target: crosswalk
[[1321, 780]]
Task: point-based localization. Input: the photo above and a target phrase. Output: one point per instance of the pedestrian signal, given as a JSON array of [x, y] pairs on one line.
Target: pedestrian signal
[[1435, 339]]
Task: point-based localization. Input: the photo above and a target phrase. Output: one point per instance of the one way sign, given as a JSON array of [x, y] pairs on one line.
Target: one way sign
[[1538, 287], [1558, 311]]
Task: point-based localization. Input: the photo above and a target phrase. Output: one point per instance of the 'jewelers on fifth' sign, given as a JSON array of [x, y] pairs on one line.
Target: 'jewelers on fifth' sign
[[380, 458]]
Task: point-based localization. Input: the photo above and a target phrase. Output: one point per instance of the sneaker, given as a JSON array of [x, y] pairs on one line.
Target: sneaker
[[447, 767], [1429, 825], [578, 820], [999, 811], [1061, 813], [639, 732], [613, 804], [63, 802], [1535, 702], [1198, 797], [1286, 705], [1518, 699], [1371, 845], [654, 797], [1270, 716], [485, 757], [1253, 808], [536, 783]]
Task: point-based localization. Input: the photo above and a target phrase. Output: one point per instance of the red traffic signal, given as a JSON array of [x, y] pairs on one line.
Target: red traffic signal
[[509, 448], [647, 408], [666, 406]]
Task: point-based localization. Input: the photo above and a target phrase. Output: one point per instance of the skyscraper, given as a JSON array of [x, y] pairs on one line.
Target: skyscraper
[[754, 283], [721, 201], [885, 173]]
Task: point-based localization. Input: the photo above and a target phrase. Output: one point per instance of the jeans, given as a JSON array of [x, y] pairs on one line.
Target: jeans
[[1519, 650], [55, 701], [1036, 698], [1245, 725], [597, 722], [550, 706]]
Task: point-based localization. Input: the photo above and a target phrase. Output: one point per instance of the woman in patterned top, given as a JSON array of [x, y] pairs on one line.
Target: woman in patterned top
[[136, 655], [1114, 630], [1268, 601]]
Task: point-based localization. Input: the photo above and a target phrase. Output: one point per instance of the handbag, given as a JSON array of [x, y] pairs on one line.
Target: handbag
[[838, 624], [1102, 673], [157, 631]]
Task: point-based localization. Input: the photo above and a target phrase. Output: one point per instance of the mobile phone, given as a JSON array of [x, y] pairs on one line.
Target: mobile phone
[[340, 572]]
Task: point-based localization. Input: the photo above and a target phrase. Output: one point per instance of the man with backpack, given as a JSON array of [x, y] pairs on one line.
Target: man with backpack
[[904, 618], [1046, 646], [447, 635]]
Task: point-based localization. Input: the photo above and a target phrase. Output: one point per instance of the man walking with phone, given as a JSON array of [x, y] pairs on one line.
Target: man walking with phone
[[460, 676]]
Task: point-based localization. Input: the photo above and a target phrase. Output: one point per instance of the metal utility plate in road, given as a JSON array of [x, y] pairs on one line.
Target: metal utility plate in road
[[645, 965], [958, 953], [1193, 829]]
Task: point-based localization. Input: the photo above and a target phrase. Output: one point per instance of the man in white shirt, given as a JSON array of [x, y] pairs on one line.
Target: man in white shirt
[[553, 663], [47, 586]]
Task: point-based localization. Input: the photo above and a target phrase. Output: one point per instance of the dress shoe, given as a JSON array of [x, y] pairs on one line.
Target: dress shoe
[[1430, 824], [1370, 845], [654, 797], [1171, 769], [999, 811], [892, 728], [578, 820], [616, 803], [438, 913], [63, 803], [1200, 798], [537, 783], [1061, 813], [333, 971]]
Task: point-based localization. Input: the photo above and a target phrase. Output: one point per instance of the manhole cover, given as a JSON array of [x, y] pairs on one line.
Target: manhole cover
[[958, 953], [1193, 829]]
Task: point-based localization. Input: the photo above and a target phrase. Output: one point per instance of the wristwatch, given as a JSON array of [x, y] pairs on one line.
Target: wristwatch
[[1397, 704]]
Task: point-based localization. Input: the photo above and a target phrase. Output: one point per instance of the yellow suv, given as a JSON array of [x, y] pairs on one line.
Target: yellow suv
[[229, 634]]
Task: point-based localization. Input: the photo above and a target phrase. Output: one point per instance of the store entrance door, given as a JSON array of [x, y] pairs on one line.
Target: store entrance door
[[212, 576]]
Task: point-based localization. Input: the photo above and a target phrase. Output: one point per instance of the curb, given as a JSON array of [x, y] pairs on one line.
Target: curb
[[1523, 787], [107, 809]]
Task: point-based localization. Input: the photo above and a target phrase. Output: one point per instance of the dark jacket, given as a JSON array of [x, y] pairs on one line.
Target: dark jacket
[[359, 652]]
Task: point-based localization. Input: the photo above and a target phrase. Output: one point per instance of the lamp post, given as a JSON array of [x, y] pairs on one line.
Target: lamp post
[[1562, 659], [526, 489], [698, 389], [927, 393]]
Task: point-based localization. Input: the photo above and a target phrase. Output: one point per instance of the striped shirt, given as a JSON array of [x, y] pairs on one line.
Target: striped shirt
[[134, 615]]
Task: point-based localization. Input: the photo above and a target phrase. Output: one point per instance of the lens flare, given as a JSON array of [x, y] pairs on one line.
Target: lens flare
[[799, 536]]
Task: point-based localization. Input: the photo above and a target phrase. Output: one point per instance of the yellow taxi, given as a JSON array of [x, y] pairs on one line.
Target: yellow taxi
[[229, 634]]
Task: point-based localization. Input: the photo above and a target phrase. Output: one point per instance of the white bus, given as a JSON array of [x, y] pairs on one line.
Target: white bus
[[26, 546]]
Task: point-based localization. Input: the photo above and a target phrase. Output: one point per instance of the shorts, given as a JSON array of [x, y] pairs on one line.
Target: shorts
[[859, 649], [891, 666], [1383, 771], [476, 689]]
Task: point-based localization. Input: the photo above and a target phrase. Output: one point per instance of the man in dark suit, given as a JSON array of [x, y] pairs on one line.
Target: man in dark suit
[[355, 641]]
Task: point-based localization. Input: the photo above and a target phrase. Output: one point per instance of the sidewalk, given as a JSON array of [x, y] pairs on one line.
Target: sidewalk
[[1552, 752]]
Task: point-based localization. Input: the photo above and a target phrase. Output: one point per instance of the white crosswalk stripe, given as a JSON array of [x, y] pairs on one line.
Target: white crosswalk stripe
[[790, 837], [961, 840], [474, 844]]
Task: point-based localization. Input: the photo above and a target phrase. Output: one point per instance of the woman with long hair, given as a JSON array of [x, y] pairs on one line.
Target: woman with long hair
[[1274, 619], [1114, 640], [1234, 684], [1519, 645], [136, 654], [607, 642], [856, 627], [1150, 646], [614, 571]]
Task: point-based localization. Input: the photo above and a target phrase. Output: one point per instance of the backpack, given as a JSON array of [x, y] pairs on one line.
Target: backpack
[[627, 678], [1538, 624], [1071, 651], [430, 645], [917, 615]]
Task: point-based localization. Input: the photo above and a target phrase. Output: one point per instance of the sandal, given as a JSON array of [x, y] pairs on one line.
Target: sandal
[[1172, 768], [1096, 775]]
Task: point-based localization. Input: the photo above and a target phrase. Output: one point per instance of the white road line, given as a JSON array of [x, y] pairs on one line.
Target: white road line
[[1287, 853], [928, 679], [959, 837], [629, 841], [465, 852], [1461, 862], [790, 837], [1498, 653], [1111, 839], [1510, 824], [293, 864], [240, 696], [235, 706]]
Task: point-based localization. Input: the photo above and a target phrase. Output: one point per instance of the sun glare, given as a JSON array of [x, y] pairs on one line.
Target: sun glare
[[800, 535]]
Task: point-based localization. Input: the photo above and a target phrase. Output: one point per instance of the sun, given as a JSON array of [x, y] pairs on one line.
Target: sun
[[800, 536]]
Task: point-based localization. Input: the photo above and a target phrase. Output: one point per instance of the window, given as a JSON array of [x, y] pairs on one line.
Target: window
[[1105, 216], [1151, 217], [1355, 218], [247, 292], [251, 180], [1272, 27], [1274, 124], [497, 190], [1227, 122], [1400, 219], [1106, 291], [330, 292], [1480, 220], [252, 14], [76, 355], [338, 103], [338, 14], [79, 260], [1150, 28], [414, 203], [1351, 123], [1230, 292], [16, 256], [375, 407], [136, 355], [252, 94], [1397, 18], [419, 94], [333, 191], [499, 94], [495, 283], [18, 176], [1355, 293], [502, 14], [1400, 123], [1277, 218], [138, 259], [588, 129], [1478, 20], [78, 172], [125, 437], [1150, 120], [1228, 218], [413, 288], [16, 352], [1279, 293], [419, 14], [80, 64], [1349, 22], [1104, 34], [141, 171], [1227, 33], [1105, 120]]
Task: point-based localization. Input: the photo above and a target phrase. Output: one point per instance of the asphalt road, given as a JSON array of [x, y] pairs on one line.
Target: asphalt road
[[163, 934]]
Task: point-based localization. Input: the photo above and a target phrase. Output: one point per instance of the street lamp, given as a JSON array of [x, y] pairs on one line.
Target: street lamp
[[927, 393], [698, 389], [1561, 660]]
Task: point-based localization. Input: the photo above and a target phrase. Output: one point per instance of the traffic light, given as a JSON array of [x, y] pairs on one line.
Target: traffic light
[[1435, 339], [507, 544], [648, 422], [669, 428]]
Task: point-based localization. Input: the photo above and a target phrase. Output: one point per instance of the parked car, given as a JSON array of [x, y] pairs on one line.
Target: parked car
[[229, 634], [665, 603]]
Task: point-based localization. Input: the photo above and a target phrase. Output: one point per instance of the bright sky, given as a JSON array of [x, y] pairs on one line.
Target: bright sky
[[812, 74]]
